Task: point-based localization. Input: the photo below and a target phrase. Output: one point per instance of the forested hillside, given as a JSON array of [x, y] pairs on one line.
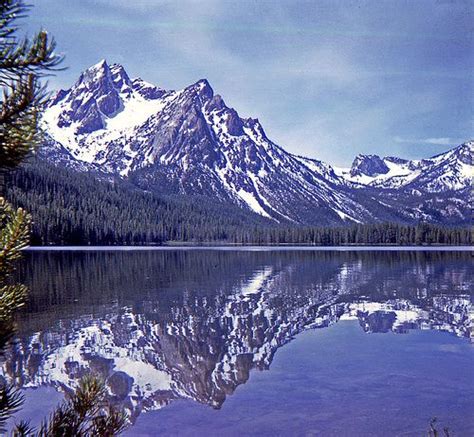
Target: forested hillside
[[75, 208], [72, 208]]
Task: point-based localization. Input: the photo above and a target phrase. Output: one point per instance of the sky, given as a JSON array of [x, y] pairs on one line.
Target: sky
[[327, 79]]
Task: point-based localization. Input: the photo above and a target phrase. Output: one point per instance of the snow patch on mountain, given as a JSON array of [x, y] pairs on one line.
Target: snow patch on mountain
[[252, 202]]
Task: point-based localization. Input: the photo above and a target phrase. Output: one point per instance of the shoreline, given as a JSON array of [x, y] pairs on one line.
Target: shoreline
[[289, 247]]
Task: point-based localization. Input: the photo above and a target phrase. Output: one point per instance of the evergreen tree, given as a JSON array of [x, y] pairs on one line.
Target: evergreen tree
[[22, 63], [85, 414]]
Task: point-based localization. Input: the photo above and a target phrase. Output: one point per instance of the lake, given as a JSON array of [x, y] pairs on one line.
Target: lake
[[262, 341]]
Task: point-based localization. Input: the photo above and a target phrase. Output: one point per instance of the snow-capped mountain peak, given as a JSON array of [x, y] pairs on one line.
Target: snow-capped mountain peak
[[452, 170], [190, 142]]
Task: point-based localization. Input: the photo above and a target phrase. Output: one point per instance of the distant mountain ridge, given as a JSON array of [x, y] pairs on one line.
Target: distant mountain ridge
[[452, 170], [190, 142]]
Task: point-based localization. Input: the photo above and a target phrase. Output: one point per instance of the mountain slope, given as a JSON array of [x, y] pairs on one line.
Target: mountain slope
[[190, 142], [449, 171]]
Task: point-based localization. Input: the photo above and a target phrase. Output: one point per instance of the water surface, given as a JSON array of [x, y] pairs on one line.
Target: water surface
[[254, 342]]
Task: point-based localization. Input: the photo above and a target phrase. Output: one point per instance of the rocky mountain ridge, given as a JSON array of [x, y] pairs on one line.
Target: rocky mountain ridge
[[190, 142]]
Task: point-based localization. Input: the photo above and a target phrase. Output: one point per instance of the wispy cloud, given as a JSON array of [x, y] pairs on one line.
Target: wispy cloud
[[441, 141]]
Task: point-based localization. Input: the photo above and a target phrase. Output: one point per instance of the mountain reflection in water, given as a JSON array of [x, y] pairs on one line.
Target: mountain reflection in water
[[166, 325]]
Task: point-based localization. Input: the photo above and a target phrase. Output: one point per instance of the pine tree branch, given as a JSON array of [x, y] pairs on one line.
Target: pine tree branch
[[36, 56], [15, 228], [20, 56], [85, 414], [11, 401], [10, 11]]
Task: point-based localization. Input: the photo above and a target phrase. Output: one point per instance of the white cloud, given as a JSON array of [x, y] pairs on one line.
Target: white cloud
[[440, 141]]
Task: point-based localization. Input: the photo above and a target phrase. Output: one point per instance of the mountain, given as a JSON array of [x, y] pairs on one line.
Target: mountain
[[452, 170], [189, 142]]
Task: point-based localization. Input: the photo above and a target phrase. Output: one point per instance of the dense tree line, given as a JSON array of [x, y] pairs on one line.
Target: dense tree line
[[72, 208], [370, 234]]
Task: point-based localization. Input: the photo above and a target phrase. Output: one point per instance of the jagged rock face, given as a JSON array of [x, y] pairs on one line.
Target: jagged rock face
[[369, 165], [93, 97], [191, 142]]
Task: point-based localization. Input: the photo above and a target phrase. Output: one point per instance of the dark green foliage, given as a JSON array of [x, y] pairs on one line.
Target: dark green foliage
[[11, 401], [85, 414], [384, 234], [72, 208], [22, 63], [14, 236]]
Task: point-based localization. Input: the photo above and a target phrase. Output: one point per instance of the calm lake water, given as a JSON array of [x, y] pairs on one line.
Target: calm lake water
[[254, 342]]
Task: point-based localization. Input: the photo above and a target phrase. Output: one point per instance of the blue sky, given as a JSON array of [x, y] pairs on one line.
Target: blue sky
[[327, 79]]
